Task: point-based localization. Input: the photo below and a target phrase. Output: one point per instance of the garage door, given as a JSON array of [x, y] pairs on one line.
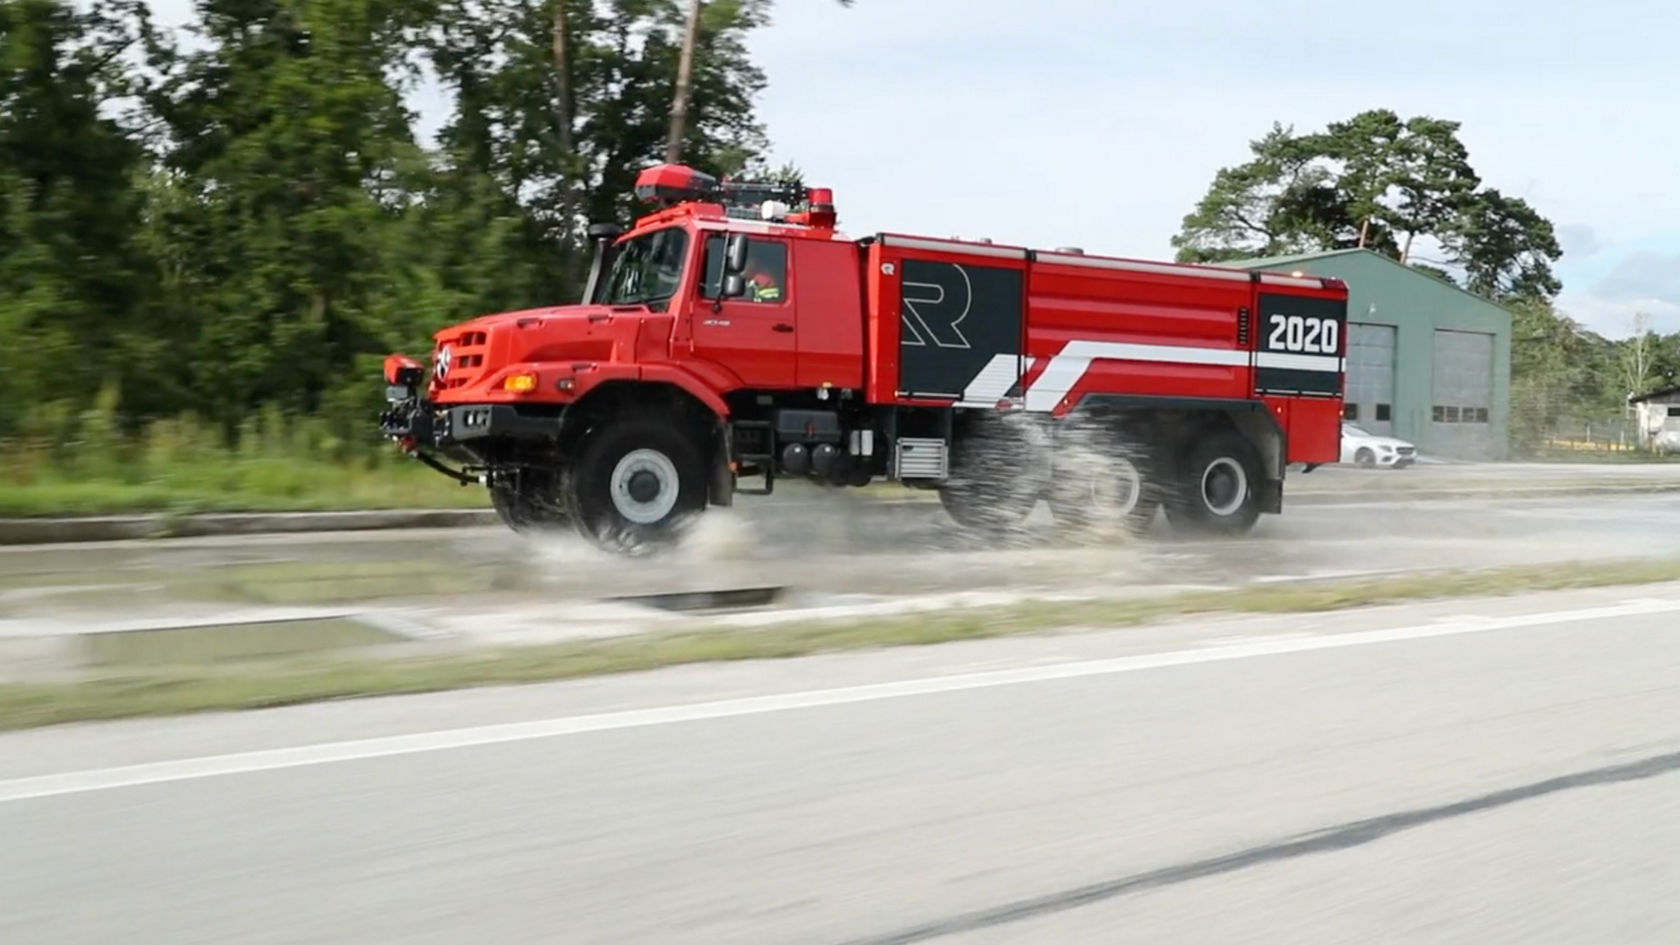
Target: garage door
[[1463, 395], [1370, 377]]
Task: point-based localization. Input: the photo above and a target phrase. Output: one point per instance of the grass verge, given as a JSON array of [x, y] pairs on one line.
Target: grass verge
[[171, 691], [240, 485], [275, 464]]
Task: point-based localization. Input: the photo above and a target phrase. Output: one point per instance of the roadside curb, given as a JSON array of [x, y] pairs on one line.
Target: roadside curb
[[27, 531], [44, 531]]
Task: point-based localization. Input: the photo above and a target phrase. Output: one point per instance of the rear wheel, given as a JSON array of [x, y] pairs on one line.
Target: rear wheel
[[1216, 490], [1102, 484], [995, 477], [638, 485]]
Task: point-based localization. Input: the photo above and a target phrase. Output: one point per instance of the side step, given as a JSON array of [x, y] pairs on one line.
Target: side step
[[752, 441]]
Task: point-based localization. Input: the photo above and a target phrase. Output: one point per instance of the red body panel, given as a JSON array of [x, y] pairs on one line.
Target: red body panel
[[756, 342], [829, 299], [881, 324], [1152, 316]]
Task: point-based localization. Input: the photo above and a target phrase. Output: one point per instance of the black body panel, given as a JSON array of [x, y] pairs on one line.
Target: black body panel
[[1300, 345], [955, 320]]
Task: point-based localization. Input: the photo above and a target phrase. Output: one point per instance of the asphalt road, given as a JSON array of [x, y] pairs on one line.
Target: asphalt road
[[1452, 773]]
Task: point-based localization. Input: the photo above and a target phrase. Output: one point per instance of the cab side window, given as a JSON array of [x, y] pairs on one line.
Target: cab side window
[[765, 275], [766, 272]]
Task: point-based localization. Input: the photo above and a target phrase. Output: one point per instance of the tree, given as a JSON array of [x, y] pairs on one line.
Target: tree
[[1557, 373], [1378, 182], [242, 222], [562, 102], [1665, 361], [685, 69], [75, 306], [288, 180], [1504, 247], [1638, 353]]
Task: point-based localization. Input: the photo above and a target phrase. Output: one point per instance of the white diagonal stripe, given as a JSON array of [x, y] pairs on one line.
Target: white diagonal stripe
[[993, 381], [1069, 365]]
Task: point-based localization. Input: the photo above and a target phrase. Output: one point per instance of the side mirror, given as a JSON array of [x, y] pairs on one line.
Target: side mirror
[[735, 254], [734, 286]]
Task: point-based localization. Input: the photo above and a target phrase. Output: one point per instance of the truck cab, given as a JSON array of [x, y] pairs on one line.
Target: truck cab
[[723, 296]]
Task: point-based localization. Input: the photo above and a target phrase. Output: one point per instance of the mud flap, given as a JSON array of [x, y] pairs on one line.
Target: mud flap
[[722, 489]]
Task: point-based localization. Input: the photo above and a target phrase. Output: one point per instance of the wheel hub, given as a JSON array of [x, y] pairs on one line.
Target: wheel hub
[[1224, 486], [644, 486]]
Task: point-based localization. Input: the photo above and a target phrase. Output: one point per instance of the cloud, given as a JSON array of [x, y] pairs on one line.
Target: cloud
[[1613, 318], [1642, 275], [1579, 241]]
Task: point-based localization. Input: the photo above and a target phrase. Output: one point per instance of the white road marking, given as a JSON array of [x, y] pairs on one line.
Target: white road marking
[[188, 769]]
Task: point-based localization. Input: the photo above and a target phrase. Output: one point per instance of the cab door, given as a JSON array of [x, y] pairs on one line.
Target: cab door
[[755, 336]]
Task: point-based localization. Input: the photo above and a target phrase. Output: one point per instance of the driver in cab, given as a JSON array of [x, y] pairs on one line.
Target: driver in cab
[[761, 284]]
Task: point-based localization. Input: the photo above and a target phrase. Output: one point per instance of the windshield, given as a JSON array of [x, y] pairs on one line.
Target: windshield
[[648, 269], [1355, 429]]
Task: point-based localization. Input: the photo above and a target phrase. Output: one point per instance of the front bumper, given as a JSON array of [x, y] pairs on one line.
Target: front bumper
[[416, 422]]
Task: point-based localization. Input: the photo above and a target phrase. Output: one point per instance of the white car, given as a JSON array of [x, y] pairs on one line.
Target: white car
[[1364, 448]]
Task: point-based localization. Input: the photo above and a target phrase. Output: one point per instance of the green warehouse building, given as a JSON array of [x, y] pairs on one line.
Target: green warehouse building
[[1427, 361]]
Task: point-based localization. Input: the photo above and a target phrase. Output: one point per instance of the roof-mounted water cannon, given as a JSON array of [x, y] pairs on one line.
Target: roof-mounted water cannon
[[670, 184]]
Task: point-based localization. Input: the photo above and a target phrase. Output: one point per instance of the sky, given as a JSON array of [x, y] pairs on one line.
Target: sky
[[1100, 123]]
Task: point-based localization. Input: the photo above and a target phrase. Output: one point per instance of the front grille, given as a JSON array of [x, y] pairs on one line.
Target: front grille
[[467, 349]]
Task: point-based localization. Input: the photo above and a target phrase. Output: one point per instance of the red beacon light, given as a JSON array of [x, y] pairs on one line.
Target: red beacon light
[[820, 214]]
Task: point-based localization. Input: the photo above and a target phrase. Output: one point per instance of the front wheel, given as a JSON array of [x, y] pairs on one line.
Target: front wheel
[[1217, 488], [533, 503], [637, 486]]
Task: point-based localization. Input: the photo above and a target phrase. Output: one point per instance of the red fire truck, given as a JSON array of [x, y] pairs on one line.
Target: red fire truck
[[734, 337]]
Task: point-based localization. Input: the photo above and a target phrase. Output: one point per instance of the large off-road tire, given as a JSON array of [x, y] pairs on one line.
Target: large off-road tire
[[533, 504], [1104, 484], [638, 485], [1217, 487], [996, 475]]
